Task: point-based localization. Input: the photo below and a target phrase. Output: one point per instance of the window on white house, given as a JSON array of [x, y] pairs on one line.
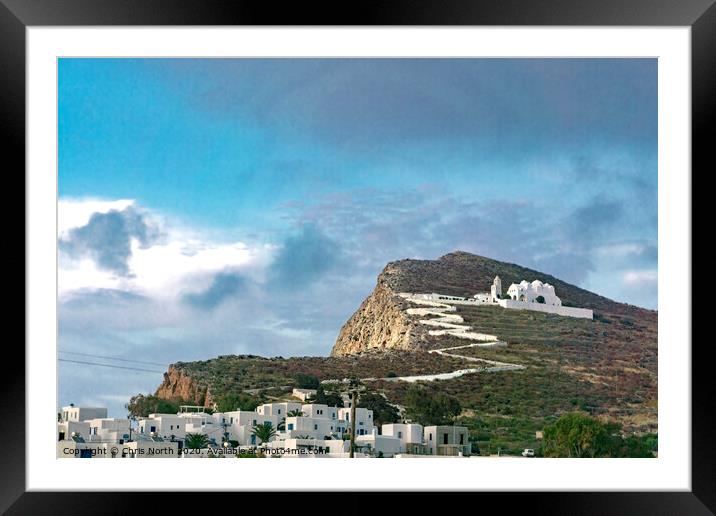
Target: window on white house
[[400, 435], [315, 427]]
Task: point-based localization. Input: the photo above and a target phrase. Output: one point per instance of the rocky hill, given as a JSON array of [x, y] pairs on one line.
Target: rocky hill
[[204, 382], [380, 322], [606, 367]]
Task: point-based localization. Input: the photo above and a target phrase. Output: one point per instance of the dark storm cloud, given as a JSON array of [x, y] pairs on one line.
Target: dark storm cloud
[[384, 102], [107, 238], [223, 286], [415, 224], [304, 258], [593, 219]]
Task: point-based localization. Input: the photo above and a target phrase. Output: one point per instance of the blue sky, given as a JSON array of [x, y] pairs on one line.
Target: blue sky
[[231, 205]]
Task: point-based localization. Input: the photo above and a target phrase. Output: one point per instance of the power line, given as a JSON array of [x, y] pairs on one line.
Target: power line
[[109, 365], [109, 358]]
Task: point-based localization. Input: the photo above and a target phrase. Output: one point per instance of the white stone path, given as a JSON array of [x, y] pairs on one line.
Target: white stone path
[[451, 322]]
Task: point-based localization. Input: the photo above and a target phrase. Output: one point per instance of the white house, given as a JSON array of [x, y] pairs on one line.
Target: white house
[[278, 409], [447, 440], [66, 429], [197, 422], [72, 413], [530, 292], [304, 394], [108, 430], [309, 448], [240, 424], [142, 448], [319, 410], [410, 435], [164, 425], [379, 445], [364, 419], [483, 297], [149, 449], [314, 427]]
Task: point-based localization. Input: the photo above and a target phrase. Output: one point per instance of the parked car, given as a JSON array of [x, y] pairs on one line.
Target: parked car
[[528, 452]]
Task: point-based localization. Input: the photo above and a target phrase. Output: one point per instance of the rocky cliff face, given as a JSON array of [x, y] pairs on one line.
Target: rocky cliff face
[[379, 323], [178, 385]]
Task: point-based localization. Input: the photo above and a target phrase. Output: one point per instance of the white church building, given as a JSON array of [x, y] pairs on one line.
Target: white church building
[[535, 292], [535, 296]]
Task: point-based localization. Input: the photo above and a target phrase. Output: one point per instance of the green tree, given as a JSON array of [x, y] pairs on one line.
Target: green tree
[[142, 405], [295, 413], [196, 441], [579, 435], [237, 401], [332, 399], [430, 409], [306, 381], [264, 432], [383, 412]]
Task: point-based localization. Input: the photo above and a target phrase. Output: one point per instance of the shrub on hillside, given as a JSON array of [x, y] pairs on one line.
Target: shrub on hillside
[[383, 412], [306, 381], [142, 405], [430, 409]]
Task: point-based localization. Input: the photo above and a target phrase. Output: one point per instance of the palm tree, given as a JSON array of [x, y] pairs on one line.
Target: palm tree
[[264, 432], [295, 413], [196, 441]]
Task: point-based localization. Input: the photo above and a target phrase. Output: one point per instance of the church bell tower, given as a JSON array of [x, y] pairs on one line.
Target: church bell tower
[[496, 289]]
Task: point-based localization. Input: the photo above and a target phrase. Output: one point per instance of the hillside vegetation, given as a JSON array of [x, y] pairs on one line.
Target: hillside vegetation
[[606, 367]]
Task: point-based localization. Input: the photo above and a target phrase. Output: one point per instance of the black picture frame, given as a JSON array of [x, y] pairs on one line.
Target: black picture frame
[[700, 15]]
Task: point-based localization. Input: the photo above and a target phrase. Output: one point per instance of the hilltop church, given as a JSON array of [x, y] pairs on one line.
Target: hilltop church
[[532, 292], [536, 296]]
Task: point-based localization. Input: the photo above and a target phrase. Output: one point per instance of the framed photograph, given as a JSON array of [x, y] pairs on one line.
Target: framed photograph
[[456, 238]]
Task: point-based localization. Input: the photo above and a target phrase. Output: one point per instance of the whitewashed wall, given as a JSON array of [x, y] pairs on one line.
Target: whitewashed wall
[[582, 313]]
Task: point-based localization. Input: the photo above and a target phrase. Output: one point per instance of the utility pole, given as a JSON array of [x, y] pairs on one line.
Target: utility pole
[[131, 419], [354, 402], [226, 434]]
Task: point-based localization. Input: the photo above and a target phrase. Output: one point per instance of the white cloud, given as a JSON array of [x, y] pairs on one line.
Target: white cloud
[[623, 249], [641, 277], [74, 213], [181, 261]]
